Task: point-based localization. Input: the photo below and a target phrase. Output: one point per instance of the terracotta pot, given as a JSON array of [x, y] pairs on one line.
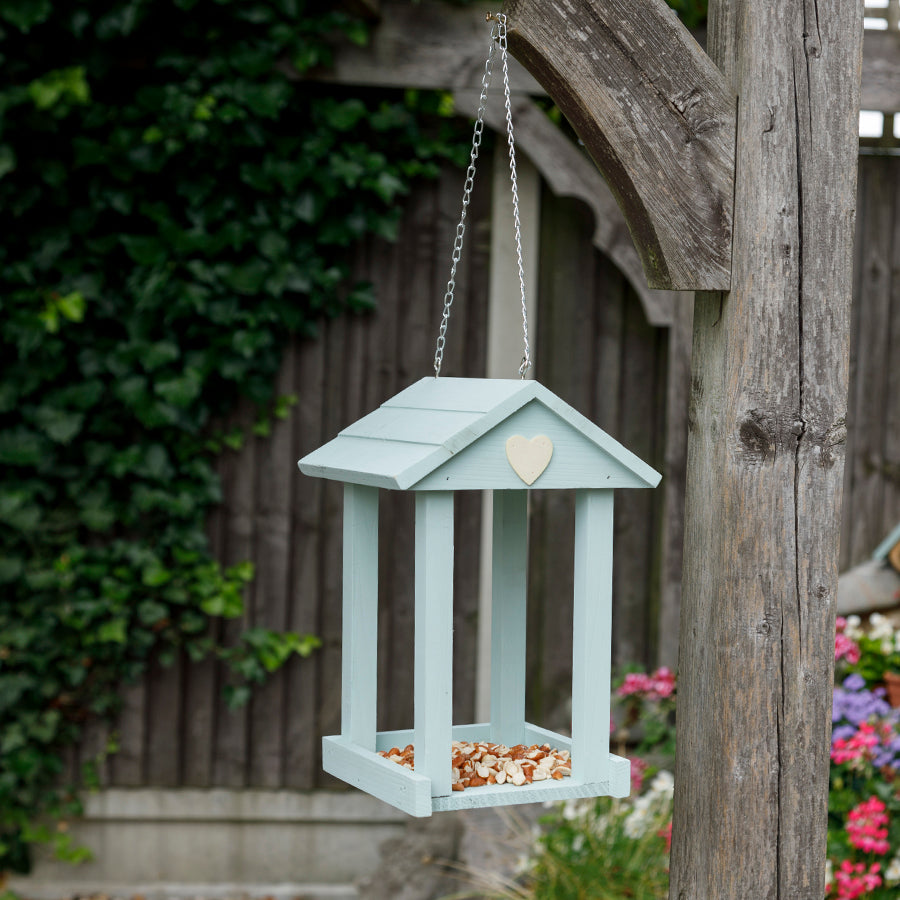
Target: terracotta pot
[[892, 684]]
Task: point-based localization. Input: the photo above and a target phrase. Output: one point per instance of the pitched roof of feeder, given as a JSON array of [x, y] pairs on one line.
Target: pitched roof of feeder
[[451, 433]]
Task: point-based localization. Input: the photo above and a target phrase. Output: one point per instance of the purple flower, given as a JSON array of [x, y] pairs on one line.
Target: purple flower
[[854, 682]]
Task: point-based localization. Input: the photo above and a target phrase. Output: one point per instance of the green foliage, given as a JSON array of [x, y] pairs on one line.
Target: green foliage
[[178, 203], [691, 12]]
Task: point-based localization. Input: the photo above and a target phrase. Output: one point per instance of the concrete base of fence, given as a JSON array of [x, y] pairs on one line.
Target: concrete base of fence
[[164, 844]]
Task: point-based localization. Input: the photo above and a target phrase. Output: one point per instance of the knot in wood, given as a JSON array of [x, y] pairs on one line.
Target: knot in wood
[[757, 436]]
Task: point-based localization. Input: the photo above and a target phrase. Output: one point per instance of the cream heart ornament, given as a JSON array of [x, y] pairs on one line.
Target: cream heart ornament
[[529, 458]]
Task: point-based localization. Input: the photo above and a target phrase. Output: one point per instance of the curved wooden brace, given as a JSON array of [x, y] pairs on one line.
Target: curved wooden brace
[[655, 114], [570, 173]]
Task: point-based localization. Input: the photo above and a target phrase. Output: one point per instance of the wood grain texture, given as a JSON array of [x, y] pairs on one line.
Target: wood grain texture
[[645, 100], [765, 465]]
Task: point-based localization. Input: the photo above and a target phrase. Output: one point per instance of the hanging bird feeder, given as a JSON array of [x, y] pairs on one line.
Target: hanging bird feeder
[[443, 435]]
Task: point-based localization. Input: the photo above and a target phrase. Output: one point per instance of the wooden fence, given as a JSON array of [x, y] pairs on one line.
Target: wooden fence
[[596, 350]]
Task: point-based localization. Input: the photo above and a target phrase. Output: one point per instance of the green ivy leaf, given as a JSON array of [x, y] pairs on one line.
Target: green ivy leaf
[[59, 425], [113, 631], [22, 447], [25, 16], [7, 160]]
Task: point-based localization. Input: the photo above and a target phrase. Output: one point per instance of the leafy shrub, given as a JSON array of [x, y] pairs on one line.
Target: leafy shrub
[[178, 203]]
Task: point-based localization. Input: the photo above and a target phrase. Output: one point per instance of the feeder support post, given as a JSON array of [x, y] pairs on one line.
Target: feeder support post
[[359, 660], [433, 689], [591, 634], [508, 614], [768, 394]]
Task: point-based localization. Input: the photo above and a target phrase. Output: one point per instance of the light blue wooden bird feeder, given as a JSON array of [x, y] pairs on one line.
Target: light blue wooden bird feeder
[[450, 434]]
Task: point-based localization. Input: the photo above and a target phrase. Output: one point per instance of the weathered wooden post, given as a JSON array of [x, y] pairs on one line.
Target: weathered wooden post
[[769, 382]]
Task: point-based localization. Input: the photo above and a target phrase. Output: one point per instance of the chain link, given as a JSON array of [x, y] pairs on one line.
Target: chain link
[[467, 194], [526, 359], [498, 35]]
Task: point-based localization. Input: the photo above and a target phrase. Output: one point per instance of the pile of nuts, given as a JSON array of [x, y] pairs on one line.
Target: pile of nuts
[[479, 763]]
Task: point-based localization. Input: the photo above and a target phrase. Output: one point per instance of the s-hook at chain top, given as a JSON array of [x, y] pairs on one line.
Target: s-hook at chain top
[[498, 38]]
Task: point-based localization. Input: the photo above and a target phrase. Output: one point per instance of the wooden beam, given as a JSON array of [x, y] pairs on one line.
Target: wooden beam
[[765, 464], [427, 45], [653, 112]]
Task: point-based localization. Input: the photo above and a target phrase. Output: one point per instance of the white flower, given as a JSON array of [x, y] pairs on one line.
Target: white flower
[[853, 629], [892, 875], [829, 875], [575, 809], [663, 784], [640, 820], [880, 628]]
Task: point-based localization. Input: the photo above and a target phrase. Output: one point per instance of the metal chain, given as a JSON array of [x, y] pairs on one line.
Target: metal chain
[[498, 35], [526, 359], [467, 193]]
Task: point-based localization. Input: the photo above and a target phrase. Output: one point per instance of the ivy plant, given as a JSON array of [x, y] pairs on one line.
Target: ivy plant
[[178, 202]]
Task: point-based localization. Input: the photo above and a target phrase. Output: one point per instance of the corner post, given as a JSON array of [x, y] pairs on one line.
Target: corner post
[[359, 649], [592, 635], [508, 616], [433, 689]]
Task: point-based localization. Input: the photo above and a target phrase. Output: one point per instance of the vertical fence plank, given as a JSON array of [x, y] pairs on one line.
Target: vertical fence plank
[[674, 477], [302, 745], [239, 481], [866, 413], [330, 619], [275, 474], [891, 450], [635, 606]]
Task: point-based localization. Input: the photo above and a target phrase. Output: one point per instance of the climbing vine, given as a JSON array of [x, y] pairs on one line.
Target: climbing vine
[[178, 201]]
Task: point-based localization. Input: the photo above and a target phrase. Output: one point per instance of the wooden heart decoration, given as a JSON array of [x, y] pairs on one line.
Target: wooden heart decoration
[[529, 458]]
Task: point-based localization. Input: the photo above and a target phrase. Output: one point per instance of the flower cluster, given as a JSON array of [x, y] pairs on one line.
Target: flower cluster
[[863, 803], [647, 807], [869, 651], [852, 880], [659, 685], [597, 841], [867, 827]]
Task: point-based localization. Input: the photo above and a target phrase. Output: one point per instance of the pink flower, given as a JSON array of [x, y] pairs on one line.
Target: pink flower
[[844, 648], [638, 768], [659, 685], [857, 748], [867, 826], [666, 833], [664, 682], [853, 880]]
